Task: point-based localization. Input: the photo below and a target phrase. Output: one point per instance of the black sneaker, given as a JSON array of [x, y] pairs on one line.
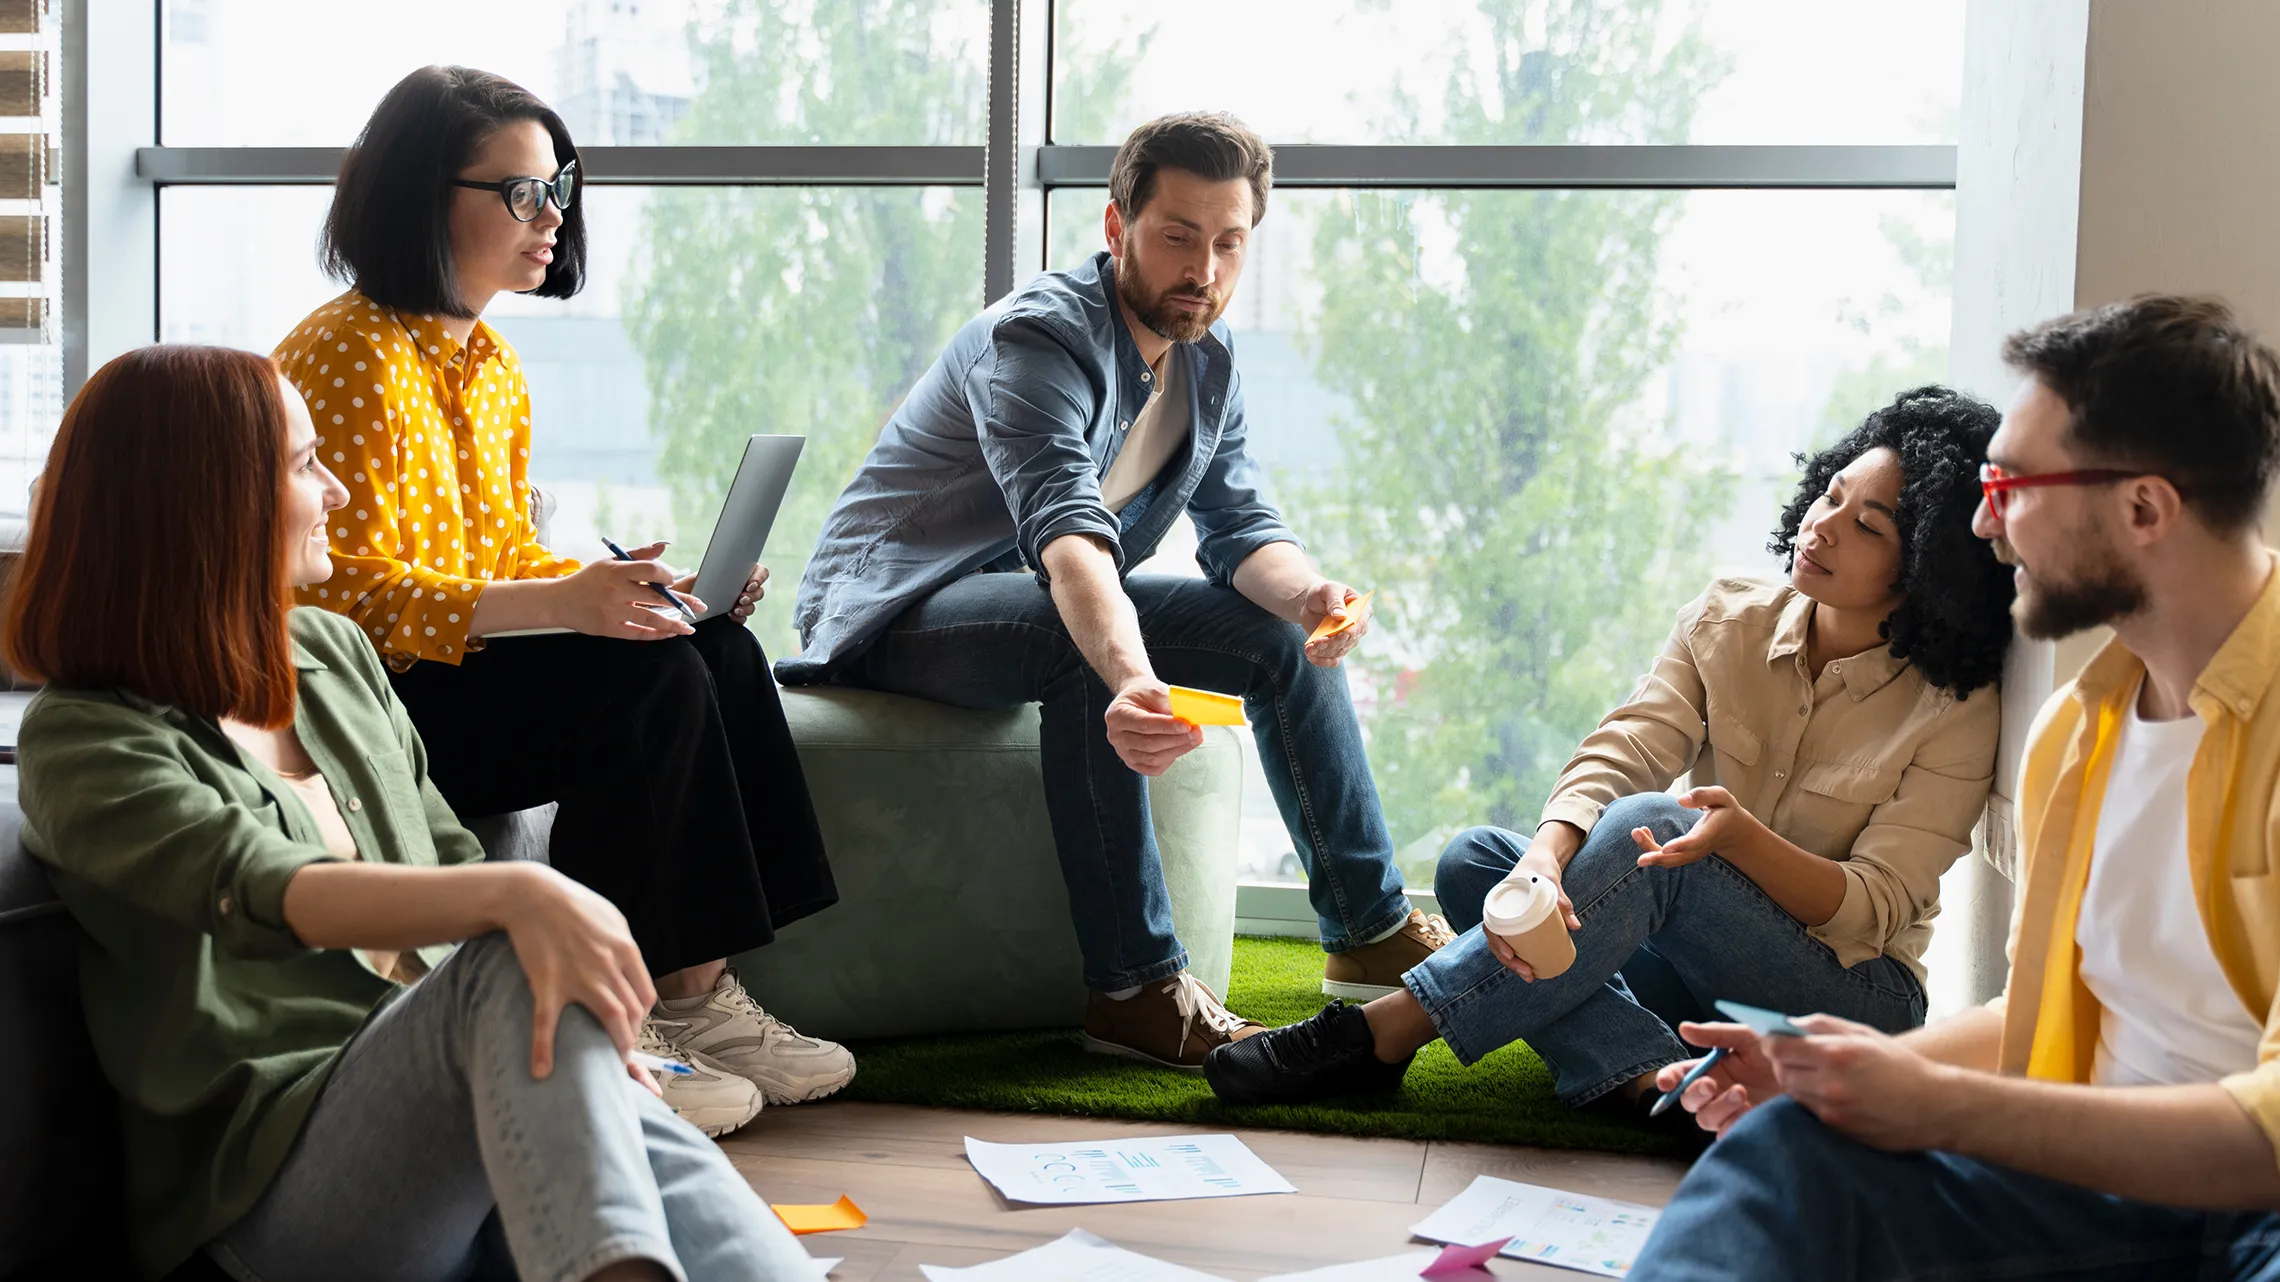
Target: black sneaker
[[1330, 1054]]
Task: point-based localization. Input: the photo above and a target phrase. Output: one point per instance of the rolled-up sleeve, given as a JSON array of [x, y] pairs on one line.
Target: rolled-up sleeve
[[1892, 874], [1229, 507], [108, 802], [1032, 401], [1645, 744]]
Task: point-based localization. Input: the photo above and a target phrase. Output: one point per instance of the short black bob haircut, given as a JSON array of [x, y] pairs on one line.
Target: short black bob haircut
[[1954, 624], [389, 230]]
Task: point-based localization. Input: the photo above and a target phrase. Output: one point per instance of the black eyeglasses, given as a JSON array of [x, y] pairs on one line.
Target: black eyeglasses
[[527, 197]]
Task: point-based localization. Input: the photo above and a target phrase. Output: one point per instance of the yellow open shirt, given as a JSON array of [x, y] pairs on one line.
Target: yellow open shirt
[[2050, 1020]]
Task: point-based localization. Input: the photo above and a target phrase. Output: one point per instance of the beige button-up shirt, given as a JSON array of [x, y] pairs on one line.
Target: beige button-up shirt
[[1870, 765]]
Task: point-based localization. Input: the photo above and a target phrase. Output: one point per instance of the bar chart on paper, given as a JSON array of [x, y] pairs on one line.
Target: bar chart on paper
[[1547, 1226], [1152, 1169]]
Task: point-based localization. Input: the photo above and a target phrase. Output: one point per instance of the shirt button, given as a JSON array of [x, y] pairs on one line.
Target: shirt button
[[354, 805], [1145, 376], [2245, 705], [1781, 774], [224, 905], [1124, 426], [1804, 710]]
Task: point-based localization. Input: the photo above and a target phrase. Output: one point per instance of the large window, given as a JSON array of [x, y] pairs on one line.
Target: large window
[[1534, 406], [281, 73]]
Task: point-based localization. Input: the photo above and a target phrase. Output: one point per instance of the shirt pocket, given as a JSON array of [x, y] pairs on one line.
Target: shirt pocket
[[400, 820], [1833, 801], [1735, 745]]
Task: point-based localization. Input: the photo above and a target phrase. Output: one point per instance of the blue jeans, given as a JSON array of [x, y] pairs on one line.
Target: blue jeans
[[1784, 1197], [995, 640], [431, 1139], [1657, 945]]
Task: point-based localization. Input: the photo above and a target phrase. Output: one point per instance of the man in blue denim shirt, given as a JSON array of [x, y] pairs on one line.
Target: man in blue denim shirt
[[979, 558]]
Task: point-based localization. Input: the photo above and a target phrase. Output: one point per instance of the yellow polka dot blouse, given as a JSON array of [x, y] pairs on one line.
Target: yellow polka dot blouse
[[432, 440]]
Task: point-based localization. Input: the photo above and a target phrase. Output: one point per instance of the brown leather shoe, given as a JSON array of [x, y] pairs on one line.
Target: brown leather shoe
[[1173, 1022], [1369, 971]]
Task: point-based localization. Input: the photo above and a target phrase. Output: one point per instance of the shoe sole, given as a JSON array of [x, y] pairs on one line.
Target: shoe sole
[[787, 1096], [1099, 1047], [718, 1121], [1358, 992]]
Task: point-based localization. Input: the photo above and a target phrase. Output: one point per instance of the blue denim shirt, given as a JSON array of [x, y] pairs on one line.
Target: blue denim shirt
[[1000, 449]]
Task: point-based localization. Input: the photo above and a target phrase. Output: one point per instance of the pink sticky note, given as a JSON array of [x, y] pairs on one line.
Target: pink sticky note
[[1456, 1259]]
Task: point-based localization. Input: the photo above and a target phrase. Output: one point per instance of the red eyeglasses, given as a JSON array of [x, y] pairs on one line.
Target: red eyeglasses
[[1996, 484]]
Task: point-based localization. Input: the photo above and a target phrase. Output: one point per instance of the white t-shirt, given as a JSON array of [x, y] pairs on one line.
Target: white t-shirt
[[2171, 1017], [1163, 426]]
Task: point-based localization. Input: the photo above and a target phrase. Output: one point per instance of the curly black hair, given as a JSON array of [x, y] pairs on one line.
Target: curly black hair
[[1955, 621]]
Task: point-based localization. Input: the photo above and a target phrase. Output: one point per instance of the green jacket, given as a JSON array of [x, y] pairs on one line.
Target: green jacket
[[173, 849]]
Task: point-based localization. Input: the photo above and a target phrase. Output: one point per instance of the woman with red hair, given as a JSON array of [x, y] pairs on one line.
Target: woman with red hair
[[345, 1046]]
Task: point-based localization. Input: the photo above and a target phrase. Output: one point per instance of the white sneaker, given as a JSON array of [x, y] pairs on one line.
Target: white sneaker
[[710, 1098], [728, 1028]]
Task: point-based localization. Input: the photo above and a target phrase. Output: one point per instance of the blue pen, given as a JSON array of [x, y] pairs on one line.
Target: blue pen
[[1693, 1075], [658, 588], [657, 1064]]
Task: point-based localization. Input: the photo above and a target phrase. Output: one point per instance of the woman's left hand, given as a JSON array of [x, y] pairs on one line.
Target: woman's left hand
[[755, 588], [1724, 826]]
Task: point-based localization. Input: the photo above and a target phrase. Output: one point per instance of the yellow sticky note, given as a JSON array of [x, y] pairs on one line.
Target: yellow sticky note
[[1356, 611], [841, 1214], [1206, 708]]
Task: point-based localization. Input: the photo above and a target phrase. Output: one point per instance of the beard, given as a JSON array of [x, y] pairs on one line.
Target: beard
[[2097, 589], [1157, 312]]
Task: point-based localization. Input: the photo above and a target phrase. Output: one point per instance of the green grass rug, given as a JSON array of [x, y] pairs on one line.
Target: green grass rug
[[1506, 1098]]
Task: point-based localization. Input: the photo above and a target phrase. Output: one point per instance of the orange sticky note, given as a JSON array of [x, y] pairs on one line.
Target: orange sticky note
[[1356, 610], [841, 1214], [1206, 708]]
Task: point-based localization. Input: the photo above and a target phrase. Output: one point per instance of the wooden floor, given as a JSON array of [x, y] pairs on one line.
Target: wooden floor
[[1356, 1198]]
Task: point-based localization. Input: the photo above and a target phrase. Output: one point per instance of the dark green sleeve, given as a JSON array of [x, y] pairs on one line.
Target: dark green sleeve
[[109, 800]]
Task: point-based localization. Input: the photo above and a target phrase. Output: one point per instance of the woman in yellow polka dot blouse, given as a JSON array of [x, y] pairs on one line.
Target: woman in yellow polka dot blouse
[[680, 793]]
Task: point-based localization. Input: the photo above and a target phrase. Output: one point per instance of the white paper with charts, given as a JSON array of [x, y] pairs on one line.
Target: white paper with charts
[[1152, 1169], [1547, 1226]]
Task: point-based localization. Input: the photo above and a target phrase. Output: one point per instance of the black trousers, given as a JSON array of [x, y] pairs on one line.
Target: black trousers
[[681, 797]]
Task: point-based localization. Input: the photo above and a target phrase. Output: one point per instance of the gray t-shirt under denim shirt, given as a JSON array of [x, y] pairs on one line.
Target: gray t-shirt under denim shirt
[[1001, 448]]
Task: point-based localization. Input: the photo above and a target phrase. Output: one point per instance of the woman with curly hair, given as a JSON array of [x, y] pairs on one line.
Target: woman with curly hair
[[1840, 729]]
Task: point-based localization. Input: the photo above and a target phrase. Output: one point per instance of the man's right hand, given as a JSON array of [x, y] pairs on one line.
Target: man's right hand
[[1740, 1082], [1143, 730], [575, 947], [613, 599]]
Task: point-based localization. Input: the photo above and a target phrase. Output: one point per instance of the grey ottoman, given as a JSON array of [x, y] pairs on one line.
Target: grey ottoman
[[952, 914]]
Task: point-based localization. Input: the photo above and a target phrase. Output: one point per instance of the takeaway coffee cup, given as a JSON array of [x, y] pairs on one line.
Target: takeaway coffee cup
[[1527, 914]]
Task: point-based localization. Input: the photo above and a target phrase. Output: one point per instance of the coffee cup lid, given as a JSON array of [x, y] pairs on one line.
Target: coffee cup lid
[[1519, 904]]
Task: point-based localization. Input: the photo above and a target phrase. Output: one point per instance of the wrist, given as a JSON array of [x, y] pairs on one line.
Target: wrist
[[502, 890], [1557, 840], [1956, 1101]]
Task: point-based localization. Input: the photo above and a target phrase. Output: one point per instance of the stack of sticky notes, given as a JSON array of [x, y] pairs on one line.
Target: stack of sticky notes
[[1206, 708]]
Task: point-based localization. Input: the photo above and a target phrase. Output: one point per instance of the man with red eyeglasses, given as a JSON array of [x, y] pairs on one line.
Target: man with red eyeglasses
[[2116, 1114]]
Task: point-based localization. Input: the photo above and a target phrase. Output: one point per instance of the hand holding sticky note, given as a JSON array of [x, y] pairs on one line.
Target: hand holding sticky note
[[1206, 707], [1331, 625]]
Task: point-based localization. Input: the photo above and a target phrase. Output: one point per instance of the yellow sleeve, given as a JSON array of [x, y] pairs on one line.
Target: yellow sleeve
[[531, 559], [404, 607]]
